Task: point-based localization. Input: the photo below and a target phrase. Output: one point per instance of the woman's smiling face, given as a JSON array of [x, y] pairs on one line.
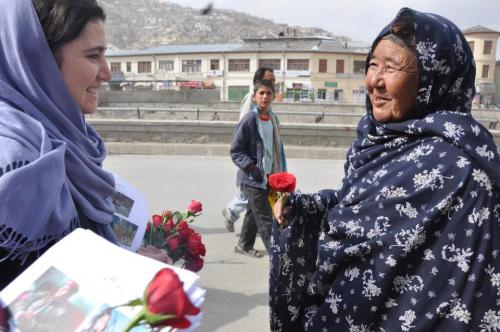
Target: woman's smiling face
[[84, 67], [391, 82]]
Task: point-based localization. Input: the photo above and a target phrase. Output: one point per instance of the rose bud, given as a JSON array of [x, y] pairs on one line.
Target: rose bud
[[167, 214], [157, 220], [168, 226], [195, 207]]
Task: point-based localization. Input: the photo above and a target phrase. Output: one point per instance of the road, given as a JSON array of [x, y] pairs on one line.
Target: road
[[237, 285]]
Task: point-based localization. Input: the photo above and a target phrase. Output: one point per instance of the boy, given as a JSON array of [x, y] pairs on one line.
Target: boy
[[257, 150]]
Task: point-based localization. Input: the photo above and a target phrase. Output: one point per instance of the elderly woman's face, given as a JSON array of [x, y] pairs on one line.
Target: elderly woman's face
[[391, 81], [84, 67]]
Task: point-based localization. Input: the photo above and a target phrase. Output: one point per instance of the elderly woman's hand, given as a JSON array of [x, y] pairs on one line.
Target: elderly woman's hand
[[281, 211], [155, 253]]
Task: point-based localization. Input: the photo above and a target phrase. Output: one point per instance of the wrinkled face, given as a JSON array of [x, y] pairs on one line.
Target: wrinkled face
[[263, 98], [391, 82], [84, 67]]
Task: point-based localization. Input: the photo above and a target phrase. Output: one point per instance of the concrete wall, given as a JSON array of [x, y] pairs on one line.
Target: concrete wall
[[317, 141], [209, 132], [148, 96]]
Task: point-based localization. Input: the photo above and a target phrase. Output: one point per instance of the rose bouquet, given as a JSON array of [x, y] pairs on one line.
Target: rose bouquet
[[164, 303], [170, 231]]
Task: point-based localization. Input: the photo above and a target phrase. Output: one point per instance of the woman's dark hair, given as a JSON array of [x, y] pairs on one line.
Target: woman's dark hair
[[63, 20], [260, 72], [260, 83]]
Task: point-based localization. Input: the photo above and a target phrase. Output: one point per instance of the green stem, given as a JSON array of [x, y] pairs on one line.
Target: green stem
[[134, 322]]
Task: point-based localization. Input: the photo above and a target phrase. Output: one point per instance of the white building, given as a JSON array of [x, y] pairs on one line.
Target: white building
[[483, 43], [311, 68]]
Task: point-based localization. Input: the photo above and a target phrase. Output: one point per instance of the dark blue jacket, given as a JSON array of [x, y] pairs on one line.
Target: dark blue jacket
[[247, 150]]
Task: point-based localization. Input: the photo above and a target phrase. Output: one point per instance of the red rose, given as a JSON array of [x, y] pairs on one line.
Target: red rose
[[193, 244], [157, 220], [168, 226], [282, 182], [194, 264], [183, 229], [195, 207], [201, 249], [173, 243], [167, 214], [165, 296]]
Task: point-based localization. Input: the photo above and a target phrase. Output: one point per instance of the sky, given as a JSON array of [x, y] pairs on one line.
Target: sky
[[360, 20]]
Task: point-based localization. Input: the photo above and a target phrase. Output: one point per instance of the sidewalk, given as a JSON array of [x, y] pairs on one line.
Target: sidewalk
[[237, 285]]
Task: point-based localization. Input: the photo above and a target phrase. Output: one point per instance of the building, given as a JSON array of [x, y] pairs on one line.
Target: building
[[497, 84], [306, 68], [483, 43]]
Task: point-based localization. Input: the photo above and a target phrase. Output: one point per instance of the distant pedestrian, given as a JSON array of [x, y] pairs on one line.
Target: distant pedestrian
[[238, 204], [257, 150]]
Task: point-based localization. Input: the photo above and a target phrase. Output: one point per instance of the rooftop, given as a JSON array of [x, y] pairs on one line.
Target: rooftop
[[176, 49], [288, 44], [303, 44], [479, 29]]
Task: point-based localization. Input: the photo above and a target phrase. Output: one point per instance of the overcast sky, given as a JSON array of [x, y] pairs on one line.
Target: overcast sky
[[359, 19]]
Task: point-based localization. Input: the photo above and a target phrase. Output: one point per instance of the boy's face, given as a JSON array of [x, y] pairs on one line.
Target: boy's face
[[263, 98]]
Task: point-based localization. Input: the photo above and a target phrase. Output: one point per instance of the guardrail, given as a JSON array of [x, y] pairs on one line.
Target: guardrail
[[322, 141], [215, 114], [205, 114]]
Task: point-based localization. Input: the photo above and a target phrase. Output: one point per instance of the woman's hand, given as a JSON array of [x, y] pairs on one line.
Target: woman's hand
[[280, 211], [155, 253]]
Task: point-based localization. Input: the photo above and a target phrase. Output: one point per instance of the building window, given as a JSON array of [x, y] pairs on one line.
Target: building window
[[191, 66], [340, 66], [144, 66], [129, 66], [237, 92], [322, 94], [358, 66], [487, 47], [323, 64], [486, 69], [338, 95], [238, 65], [274, 64], [471, 45], [214, 64], [166, 65], [297, 64], [116, 67]]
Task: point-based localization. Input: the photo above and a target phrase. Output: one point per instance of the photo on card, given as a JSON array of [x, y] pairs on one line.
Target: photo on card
[[123, 204], [108, 319], [52, 303], [124, 230]]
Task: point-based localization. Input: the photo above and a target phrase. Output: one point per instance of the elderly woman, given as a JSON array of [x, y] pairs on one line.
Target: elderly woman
[[411, 239]]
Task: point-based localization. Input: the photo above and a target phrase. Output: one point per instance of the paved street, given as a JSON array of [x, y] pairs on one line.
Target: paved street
[[237, 285]]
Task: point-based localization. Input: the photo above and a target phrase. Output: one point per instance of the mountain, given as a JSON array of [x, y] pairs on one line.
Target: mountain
[[137, 24]]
